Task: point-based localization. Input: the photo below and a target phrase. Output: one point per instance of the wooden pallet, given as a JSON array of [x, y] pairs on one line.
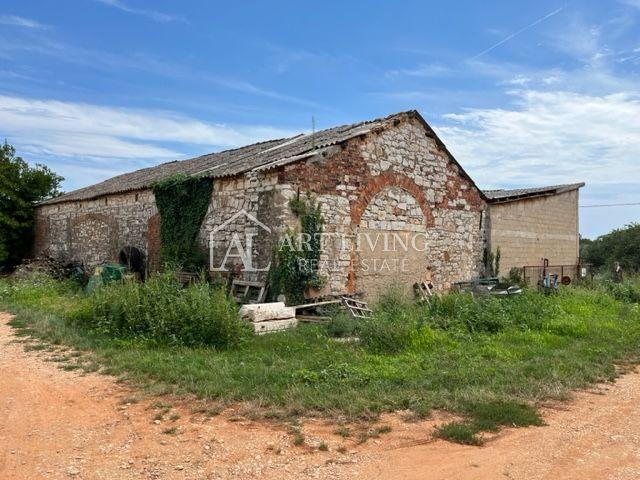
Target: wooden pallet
[[357, 308], [424, 291], [243, 291]]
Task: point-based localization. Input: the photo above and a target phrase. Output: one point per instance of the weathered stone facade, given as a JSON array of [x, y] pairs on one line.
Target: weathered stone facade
[[94, 231], [250, 208], [396, 182]]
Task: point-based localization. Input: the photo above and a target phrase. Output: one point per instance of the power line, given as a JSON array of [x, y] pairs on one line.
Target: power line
[[610, 205]]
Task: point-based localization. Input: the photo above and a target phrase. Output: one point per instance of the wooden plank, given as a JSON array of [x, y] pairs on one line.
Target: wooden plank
[[357, 308], [313, 318], [247, 283], [317, 304]]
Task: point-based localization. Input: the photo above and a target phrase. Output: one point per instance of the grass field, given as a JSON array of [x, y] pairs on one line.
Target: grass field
[[492, 361]]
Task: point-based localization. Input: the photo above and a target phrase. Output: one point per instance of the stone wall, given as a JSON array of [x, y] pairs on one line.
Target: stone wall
[[94, 231], [532, 229], [246, 211], [396, 181]]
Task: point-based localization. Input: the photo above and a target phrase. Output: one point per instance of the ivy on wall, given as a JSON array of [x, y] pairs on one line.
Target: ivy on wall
[[295, 260], [182, 203]]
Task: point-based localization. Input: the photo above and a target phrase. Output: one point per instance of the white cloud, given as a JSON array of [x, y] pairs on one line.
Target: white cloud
[[518, 80], [77, 136], [549, 137], [66, 118], [632, 3], [17, 21], [151, 14]]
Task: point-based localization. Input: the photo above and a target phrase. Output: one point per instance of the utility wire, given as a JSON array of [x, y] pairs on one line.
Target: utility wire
[[610, 205]]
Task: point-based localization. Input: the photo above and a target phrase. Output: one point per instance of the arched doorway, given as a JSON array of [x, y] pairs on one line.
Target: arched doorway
[[392, 223]]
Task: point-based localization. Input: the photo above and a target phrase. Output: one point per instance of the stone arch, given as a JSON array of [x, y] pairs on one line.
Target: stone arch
[[389, 179], [380, 202]]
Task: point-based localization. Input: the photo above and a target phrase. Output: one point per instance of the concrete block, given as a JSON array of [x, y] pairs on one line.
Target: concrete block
[[274, 325], [262, 312]]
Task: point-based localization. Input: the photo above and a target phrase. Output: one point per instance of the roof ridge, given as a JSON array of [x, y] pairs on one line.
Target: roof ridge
[[232, 161], [502, 195]]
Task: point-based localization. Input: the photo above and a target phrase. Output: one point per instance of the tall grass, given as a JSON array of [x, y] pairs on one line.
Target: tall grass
[[627, 291], [161, 310]]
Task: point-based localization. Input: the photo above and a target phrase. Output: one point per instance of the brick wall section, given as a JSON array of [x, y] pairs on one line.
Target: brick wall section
[[528, 230]]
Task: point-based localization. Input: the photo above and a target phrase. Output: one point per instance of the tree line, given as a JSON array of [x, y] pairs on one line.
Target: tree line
[[622, 245], [21, 187]]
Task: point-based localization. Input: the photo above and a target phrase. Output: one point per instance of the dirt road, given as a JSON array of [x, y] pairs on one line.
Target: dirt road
[[63, 424]]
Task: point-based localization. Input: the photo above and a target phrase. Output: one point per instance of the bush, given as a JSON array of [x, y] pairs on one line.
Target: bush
[[161, 310], [395, 321], [342, 325], [399, 322], [627, 291]]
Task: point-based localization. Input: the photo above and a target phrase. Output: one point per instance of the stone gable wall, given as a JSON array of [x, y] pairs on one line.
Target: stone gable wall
[[395, 180]]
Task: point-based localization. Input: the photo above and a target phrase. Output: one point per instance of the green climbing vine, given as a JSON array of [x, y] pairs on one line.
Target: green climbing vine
[[182, 202], [294, 265]]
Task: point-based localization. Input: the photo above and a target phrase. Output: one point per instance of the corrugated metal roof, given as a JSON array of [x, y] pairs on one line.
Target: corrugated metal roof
[[499, 196], [264, 155]]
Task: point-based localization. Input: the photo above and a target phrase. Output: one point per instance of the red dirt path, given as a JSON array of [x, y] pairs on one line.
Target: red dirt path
[[61, 424]]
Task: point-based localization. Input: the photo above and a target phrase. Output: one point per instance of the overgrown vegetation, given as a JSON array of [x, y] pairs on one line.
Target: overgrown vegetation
[[491, 262], [490, 360], [295, 261], [160, 310], [182, 202], [621, 245], [627, 291], [21, 187]]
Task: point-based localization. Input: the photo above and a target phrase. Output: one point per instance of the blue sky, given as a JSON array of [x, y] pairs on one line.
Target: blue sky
[[523, 93]]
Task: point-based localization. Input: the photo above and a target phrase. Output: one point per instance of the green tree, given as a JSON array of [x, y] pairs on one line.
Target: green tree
[[621, 245], [21, 187]]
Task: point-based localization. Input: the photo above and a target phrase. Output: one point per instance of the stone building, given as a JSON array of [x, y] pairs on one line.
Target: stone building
[[533, 224], [398, 207]]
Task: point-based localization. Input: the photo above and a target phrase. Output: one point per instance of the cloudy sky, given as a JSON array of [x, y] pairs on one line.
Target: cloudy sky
[[523, 93]]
